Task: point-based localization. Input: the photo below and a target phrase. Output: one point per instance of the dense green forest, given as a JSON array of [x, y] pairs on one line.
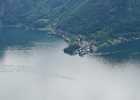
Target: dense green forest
[[75, 16], [118, 16]]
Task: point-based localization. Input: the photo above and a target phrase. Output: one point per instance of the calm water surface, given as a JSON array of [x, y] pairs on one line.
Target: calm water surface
[[37, 69]]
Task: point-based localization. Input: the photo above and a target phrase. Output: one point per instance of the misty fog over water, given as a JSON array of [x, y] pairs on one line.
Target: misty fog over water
[[43, 72]]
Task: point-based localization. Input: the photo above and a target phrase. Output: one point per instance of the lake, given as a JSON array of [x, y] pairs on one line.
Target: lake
[[33, 66]]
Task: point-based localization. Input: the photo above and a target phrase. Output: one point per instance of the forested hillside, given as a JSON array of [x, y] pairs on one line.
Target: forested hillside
[[106, 22], [75, 16], [111, 25], [113, 16], [27, 11]]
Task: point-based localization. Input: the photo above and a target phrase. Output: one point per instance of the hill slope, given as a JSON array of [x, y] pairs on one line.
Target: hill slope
[[100, 23], [117, 16], [107, 24]]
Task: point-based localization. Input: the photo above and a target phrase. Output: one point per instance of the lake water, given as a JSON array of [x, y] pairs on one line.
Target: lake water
[[34, 67]]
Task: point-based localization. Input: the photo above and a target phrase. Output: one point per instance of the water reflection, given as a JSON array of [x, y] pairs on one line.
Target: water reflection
[[42, 71]]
